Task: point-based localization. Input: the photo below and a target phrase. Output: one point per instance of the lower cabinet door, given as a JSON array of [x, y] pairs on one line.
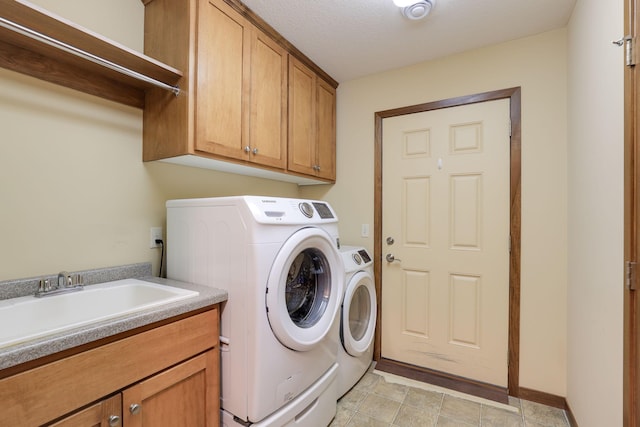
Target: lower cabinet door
[[106, 413], [183, 396]]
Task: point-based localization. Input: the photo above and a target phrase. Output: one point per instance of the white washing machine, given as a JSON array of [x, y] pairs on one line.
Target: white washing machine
[[278, 259], [358, 318]]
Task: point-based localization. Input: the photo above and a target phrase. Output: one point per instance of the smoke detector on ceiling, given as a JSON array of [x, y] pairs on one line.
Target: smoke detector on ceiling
[[415, 10]]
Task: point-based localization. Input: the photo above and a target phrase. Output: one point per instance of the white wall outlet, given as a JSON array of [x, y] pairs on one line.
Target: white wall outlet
[[155, 233], [364, 231]]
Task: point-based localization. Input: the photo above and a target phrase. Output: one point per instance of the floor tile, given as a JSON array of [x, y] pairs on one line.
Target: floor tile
[[460, 410], [450, 422], [352, 399], [368, 381], [379, 407], [496, 417], [390, 390], [342, 418], [361, 420], [543, 415], [419, 398], [409, 416]]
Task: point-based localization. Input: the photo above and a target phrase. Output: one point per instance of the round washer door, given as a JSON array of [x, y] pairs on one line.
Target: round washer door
[[304, 289], [358, 314]]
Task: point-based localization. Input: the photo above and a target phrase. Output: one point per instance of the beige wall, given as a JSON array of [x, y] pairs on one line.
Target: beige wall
[[595, 324], [74, 192], [538, 65]]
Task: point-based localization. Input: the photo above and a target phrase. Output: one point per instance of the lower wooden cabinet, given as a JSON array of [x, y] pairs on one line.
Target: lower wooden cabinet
[[166, 376]]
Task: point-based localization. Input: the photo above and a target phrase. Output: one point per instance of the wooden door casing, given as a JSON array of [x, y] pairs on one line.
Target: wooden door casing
[[631, 363]]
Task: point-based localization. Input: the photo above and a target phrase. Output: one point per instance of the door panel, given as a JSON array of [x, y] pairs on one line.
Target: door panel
[[445, 298]]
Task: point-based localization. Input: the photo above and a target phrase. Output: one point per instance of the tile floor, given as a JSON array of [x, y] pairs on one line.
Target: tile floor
[[386, 400]]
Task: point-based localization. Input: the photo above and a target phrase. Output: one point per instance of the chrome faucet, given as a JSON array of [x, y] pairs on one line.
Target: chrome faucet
[[66, 283], [64, 280]]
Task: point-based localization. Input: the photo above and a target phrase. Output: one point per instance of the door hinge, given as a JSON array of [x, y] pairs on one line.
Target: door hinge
[[629, 51], [631, 275]]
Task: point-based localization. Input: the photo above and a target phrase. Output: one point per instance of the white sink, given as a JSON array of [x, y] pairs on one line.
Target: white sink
[[27, 318]]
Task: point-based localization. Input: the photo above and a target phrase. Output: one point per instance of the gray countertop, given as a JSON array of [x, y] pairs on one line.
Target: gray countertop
[[31, 350]]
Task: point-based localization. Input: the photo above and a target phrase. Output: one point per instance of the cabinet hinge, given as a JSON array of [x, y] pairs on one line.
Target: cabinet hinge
[[629, 51], [631, 275]]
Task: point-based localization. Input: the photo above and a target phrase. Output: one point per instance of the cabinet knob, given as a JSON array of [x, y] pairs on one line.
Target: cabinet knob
[[114, 421], [135, 409], [316, 168], [255, 151], [247, 149]]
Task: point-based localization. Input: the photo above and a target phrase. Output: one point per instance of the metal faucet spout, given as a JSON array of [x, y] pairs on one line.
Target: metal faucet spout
[[63, 277]]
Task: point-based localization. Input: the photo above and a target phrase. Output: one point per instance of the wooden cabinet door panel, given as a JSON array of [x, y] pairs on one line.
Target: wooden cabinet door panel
[[326, 130], [302, 111], [222, 80], [268, 114], [184, 396]]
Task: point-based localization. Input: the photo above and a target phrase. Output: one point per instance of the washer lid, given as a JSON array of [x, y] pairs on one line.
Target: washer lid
[[304, 289], [358, 320]]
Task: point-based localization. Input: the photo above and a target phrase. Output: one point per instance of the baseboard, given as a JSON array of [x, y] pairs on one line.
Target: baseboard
[[442, 379], [542, 397]]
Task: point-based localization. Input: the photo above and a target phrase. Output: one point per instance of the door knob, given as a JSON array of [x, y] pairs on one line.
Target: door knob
[[391, 258]]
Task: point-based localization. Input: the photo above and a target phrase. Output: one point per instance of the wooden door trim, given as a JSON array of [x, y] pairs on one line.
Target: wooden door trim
[[514, 95], [631, 380]]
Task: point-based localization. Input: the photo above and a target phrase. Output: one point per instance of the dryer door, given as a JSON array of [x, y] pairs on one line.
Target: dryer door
[[358, 321], [304, 289]]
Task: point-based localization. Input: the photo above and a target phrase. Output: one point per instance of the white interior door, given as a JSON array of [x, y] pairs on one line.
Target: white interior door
[[445, 221]]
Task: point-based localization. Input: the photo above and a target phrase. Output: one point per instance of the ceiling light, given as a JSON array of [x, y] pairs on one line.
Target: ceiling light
[[417, 9]]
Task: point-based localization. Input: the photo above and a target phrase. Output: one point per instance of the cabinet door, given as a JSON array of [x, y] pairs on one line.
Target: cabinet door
[[106, 413], [186, 395], [222, 82], [326, 130], [268, 114], [302, 113]]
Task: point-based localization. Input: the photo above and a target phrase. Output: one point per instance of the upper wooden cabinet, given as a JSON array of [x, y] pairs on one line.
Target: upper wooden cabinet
[[241, 81], [312, 123], [237, 106]]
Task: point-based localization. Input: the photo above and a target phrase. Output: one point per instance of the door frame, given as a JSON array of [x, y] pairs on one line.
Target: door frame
[[513, 368], [631, 363]]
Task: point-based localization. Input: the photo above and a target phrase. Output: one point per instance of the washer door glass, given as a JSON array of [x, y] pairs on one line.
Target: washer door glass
[[308, 288], [304, 289], [358, 314]]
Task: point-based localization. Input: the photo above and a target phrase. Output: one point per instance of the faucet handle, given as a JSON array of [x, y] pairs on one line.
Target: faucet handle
[[76, 280], [45, 285]]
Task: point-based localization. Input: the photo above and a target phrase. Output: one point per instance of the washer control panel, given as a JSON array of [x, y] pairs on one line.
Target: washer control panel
[[273, 210]]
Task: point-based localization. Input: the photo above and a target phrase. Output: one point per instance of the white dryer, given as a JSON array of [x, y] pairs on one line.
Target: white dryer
[[278, 259], [358, 318]]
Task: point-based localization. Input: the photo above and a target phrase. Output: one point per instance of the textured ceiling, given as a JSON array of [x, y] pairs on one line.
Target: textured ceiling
[[353, 38]]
